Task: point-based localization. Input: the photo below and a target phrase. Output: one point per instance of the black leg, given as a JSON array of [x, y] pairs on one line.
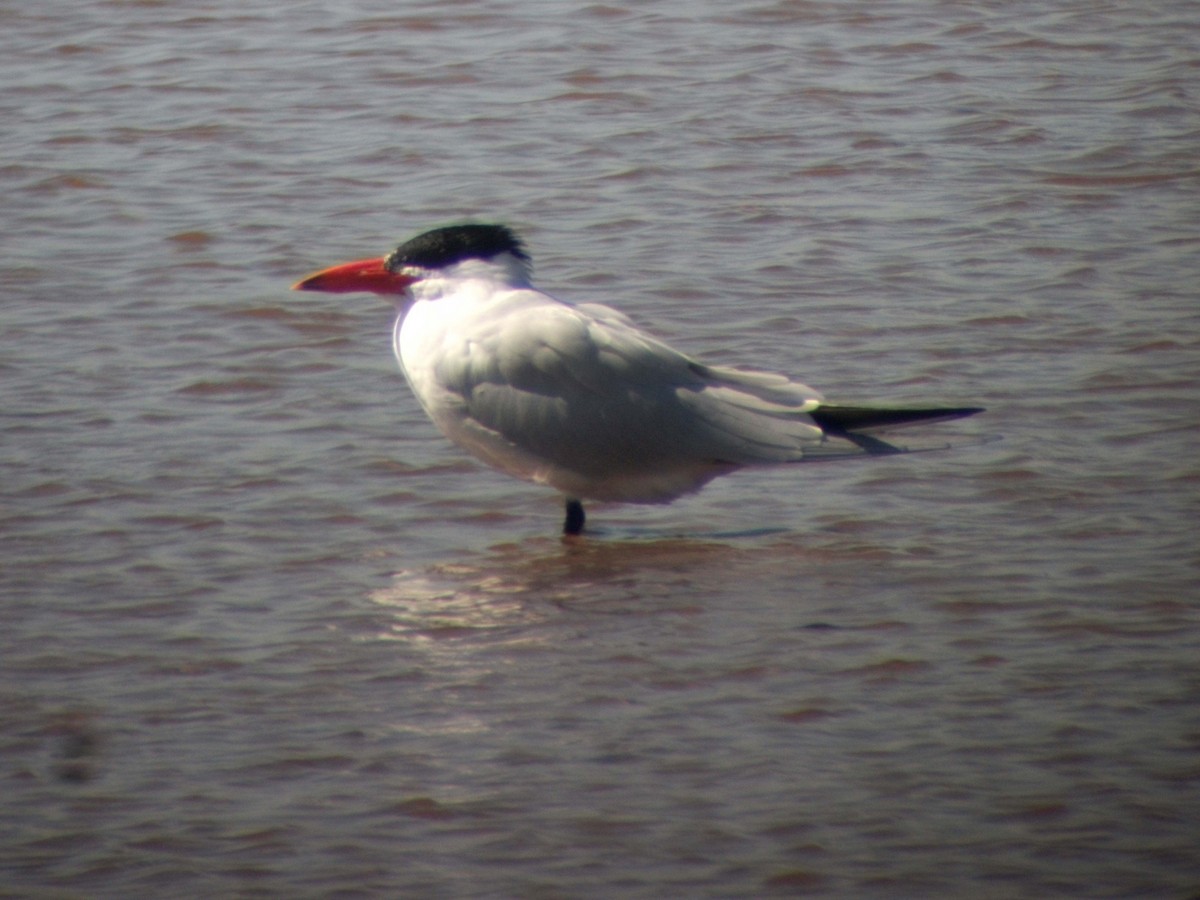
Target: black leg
[[575, 517]]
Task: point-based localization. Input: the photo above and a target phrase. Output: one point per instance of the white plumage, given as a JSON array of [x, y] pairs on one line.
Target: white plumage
[[575, 396]]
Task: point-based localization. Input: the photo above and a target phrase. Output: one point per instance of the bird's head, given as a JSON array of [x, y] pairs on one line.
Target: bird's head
[[420, 258]]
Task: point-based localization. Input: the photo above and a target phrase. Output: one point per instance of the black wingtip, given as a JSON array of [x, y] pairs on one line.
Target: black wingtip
[[843, 420]]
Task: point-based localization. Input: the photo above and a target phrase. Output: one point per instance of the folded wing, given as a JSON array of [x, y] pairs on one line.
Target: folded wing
[[581, 389]]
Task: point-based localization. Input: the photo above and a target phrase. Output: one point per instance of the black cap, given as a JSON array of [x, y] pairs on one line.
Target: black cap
[[454, 244]]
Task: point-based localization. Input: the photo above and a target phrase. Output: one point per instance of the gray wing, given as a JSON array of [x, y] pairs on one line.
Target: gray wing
[[582, 388]]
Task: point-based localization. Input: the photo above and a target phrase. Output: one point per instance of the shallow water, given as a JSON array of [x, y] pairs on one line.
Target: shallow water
[[267, 634]]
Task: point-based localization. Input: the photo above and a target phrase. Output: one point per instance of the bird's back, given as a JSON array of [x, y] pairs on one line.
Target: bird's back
[[577, 397]]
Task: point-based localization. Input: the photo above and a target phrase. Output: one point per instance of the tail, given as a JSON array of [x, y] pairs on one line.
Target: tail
[[859, 425]]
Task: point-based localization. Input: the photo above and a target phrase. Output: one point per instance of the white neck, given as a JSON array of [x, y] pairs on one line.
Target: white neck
[[505, 269]]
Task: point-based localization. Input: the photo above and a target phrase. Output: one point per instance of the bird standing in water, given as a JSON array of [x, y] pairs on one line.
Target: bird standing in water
[[575, 396]]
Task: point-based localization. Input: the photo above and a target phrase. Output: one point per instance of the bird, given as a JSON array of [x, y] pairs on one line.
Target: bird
[[574, 395]]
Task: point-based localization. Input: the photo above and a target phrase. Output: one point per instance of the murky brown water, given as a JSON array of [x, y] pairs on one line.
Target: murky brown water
[[265, 633]]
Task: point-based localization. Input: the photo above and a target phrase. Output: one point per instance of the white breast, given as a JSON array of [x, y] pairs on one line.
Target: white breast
[[579, 399]]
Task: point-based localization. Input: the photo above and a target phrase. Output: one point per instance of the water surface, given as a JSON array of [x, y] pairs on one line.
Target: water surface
[[267, 634]]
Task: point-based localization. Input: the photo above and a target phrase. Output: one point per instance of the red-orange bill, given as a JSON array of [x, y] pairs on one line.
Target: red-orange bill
[[360, 275]]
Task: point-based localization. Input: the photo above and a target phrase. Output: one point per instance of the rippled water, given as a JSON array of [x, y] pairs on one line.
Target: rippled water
[[267, 634]]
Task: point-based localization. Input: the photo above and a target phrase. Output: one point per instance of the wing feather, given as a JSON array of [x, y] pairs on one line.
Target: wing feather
[[581, 387], [578, 397]]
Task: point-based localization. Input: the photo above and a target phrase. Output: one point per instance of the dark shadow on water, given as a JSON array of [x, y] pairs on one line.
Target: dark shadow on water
[[654, 534]]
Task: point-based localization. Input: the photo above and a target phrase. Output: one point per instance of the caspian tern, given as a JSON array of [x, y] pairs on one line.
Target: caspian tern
[[574, 396]]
